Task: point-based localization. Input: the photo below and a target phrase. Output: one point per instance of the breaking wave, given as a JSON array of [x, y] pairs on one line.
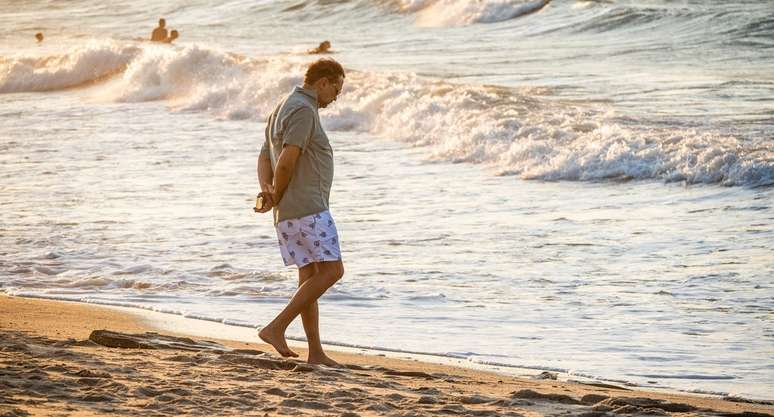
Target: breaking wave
[[458, 13], [514, 131]]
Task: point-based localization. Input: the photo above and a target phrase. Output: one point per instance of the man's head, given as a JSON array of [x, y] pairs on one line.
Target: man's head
[[174, 34], [162, 23], [326, 77]]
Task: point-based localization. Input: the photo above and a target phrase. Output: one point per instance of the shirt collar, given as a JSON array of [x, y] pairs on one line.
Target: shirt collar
[[307, 92]]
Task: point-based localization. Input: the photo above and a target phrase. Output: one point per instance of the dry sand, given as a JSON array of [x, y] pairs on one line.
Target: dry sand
[[50, 367]]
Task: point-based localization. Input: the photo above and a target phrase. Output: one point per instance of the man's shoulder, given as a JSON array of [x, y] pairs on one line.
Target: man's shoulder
[[300, 99], [297, 105]]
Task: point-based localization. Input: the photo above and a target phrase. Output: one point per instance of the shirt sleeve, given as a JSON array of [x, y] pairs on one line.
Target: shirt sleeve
[[299, 128]]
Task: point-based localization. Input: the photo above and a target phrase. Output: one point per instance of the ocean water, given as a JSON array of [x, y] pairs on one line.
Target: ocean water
[[578, 186]]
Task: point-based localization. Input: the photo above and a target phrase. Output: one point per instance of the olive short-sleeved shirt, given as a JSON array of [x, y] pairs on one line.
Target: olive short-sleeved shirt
[[296, 122]]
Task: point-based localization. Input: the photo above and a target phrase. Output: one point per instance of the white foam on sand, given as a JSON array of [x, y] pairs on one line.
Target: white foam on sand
[[166, 322], [209, 329]]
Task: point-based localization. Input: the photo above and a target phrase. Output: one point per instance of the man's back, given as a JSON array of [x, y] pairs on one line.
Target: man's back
[[296, 122]]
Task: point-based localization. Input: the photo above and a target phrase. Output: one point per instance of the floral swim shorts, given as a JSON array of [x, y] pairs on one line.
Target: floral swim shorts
[[309, 239]]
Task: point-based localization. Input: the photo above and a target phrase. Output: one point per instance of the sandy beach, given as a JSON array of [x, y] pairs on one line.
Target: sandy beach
[[53, 363], [528, 198]]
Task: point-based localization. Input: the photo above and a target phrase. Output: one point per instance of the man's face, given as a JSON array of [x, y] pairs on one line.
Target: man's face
[[330, 91]]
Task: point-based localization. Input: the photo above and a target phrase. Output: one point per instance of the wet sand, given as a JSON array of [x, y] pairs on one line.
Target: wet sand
[[53, 363]]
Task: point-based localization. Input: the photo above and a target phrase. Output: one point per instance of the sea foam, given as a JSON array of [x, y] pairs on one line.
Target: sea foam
[[78, 66], [519, 132]]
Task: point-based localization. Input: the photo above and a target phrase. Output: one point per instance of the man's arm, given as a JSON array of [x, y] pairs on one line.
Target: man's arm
[[286, 166], [265, 173], [265, 177], [295, 138]]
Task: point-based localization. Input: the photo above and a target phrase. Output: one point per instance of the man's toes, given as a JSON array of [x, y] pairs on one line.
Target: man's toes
[[287, 352]]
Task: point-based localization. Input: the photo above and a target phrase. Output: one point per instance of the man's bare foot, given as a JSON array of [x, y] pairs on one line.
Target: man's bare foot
[[322, 359], [277, 340]]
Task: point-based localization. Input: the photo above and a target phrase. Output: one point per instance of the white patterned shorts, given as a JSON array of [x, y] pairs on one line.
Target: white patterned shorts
[[309, 239]]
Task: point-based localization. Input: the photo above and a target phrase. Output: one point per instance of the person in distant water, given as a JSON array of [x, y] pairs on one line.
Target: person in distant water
[[39, 37], [295, 173], [160, 33], [173, 34], [323, 48]]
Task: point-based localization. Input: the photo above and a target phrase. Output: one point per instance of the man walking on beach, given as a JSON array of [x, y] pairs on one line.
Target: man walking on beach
[[295, 172]]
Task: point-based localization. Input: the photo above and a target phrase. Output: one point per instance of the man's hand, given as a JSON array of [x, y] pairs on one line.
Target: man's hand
[[273, 191], [268, 202]]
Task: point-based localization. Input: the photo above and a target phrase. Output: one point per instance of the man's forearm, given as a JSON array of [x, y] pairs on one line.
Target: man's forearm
[[283, 171], [281, 180], [265, 173]]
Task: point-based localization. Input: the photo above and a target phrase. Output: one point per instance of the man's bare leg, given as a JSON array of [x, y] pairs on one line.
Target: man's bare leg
[[310, 316], [315, 286]]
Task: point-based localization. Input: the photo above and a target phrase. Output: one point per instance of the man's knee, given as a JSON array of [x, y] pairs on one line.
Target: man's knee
[[334, 270], [339, 270]]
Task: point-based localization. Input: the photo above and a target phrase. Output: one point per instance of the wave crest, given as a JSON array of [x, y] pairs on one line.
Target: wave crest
[[515, 132], [459, 13], [81, 65]]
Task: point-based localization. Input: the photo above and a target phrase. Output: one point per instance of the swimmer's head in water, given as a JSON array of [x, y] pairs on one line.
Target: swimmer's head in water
[[326, 77], [39, 36]]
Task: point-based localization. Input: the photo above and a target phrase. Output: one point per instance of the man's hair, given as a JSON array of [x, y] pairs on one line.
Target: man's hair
[[323, 68]]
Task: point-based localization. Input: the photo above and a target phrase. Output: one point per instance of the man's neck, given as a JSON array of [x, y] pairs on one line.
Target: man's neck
[[311, 88]]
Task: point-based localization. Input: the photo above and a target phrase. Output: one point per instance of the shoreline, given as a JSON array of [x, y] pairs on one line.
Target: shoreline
[[48, 336], [178, 324]]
